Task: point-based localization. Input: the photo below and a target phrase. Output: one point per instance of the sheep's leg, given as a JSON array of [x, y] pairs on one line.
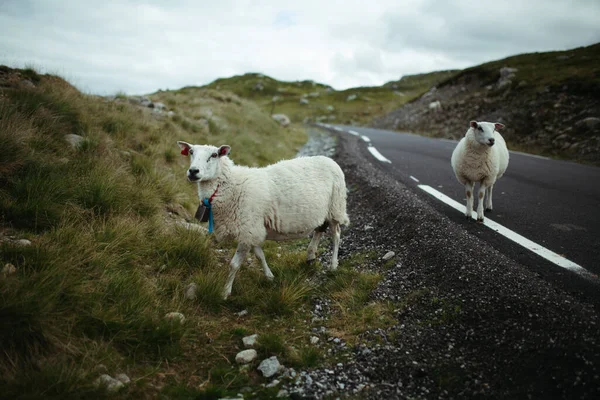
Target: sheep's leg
[[335, 234], [311, 253], [482, 190], [234, 265], [469, 186], [261, 257], [488, 198]]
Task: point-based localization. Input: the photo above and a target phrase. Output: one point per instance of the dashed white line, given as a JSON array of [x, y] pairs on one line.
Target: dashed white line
[[365, 138], [378, 155], [414, 179], [515, 237], [354, 133]]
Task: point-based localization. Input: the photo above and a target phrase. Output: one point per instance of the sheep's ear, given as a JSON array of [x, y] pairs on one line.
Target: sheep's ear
[[224, 150], [498, 126], [474, 124], [185, 148]]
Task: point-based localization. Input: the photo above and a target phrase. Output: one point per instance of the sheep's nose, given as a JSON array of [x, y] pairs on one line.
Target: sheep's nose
[[193, 171], [491, 141]]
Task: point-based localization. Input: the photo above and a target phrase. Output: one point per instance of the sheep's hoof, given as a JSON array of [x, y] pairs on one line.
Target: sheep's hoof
[[488, 210], [480, 220], [312, 260], [270, 277]]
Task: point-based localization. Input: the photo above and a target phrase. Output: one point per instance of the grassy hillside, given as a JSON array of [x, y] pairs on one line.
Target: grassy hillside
[[308, 101], [106, 261], [549, 102]]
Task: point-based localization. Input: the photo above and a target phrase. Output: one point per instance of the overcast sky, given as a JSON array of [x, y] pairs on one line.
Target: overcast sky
[[140, 46]]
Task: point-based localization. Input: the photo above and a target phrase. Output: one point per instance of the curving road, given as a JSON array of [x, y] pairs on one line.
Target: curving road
[[555, 204]]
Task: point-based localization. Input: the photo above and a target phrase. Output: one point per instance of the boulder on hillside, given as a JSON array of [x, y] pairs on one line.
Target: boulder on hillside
[[283, 119]]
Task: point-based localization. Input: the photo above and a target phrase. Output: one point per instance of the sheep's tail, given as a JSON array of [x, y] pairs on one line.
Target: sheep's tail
[[338, 203]]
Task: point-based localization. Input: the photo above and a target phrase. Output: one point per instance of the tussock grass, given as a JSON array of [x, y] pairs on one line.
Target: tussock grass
[[105, 266]]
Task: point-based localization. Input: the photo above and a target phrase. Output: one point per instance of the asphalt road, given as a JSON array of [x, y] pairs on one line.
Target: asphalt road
[[553, 203]]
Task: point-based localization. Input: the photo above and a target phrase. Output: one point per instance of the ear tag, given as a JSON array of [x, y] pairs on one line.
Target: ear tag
[[202, 213], [185, 151]]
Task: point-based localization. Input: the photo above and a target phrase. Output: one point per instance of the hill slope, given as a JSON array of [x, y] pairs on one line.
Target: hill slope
[[549, 102], [309, 101]]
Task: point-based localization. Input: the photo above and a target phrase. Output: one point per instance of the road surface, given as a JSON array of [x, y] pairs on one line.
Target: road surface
[[555, 204]]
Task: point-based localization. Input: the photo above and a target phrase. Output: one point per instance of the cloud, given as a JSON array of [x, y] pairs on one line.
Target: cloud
[[139, 46]]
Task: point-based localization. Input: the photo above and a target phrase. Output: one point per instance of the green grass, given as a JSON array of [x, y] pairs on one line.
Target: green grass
[[325, 104], [105, 265]]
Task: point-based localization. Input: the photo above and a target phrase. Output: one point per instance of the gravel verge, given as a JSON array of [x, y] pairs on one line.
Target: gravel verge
[[471, 322]]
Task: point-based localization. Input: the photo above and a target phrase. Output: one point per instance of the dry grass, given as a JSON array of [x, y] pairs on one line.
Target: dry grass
[[104, 267]]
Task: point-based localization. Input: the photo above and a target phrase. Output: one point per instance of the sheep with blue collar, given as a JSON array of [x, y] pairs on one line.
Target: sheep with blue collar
[[480, 156], [286, 200]]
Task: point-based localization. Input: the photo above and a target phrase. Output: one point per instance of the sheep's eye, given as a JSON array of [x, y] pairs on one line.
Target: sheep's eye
[[214, 155], [480, 129], [191, 151]]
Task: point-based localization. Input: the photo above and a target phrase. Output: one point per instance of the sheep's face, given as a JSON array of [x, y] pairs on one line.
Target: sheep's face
[[484, 132], [204, 160]]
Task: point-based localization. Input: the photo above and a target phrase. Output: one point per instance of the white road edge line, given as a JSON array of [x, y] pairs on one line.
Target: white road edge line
[[338, 129], [354, 133], [414, 179], [366, 138], [515, 237], [378, 155]]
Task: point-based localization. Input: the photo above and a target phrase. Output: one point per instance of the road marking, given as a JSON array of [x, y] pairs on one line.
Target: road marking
[[378, 155], [366, 138], [515, 237], [414, 179], [529, 155], [354, 133], [338, 129]]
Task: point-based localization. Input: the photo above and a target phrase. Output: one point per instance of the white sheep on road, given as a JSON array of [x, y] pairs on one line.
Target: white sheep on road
[[285, 200], [481, 156]]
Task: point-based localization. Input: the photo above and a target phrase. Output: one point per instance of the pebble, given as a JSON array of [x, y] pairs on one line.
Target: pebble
[[250, 341], [175, 316], [246, 356]]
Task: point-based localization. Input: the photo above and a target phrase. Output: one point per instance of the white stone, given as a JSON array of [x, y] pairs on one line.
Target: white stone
[[108, 382], [8, 269], [314, 340], [388, 255], [191, 291], [176, 316], [74, 140], [246, 356], [23, 242], [304, 101], [242, 313], [123, 378], [250, 341], [269, 366], [283, 119], [273, 384], [351, 97], [283, 393]]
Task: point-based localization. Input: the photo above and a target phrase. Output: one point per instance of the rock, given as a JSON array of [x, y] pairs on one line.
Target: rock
[[171, 113], [590, 122], [250, 341], [246, 356], [8, 269], [273, 384], [191, 291], [259, 87], [269, 366], [158, 106], [330, 108], [507, 71], [109, 383], [123, 378], [22, 242], [304, 101], [435, 105], [388, 255], [74, 140], [563, 57], [175, 316], [283, 393], [145, 102], [351, 97], [314, 340], [283, 119], [397, 93], [314, 94]]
